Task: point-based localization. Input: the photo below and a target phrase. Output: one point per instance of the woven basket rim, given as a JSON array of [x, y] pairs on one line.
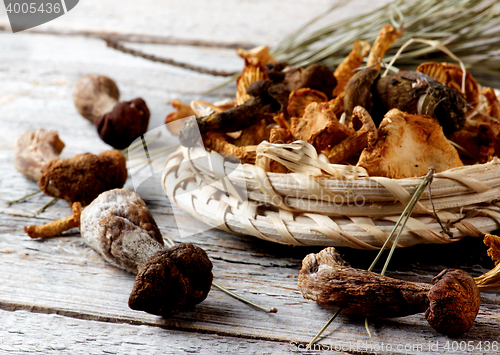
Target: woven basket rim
[[258, 216]]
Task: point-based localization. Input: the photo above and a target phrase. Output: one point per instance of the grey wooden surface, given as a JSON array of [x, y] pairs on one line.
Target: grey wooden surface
[[57, 296]]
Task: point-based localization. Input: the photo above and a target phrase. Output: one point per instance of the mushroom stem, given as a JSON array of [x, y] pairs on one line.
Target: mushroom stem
[[450, 305], [367, 135], [56, 227]]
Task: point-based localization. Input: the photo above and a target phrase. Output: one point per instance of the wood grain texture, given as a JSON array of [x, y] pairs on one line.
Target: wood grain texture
[[58, 296]]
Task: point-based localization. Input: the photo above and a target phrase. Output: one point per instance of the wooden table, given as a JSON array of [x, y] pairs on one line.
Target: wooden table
[[57, 296]]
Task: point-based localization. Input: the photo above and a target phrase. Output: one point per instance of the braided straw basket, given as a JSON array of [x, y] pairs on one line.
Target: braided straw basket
[[328, 205]]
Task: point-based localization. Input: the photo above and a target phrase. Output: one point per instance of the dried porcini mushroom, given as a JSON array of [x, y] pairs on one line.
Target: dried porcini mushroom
[[35, 148], [420, 94], [317, 77], [118, 124], [172, 280], [236, 118], [83, 177], [119, 226], [358, 92], [95, 95], [450, 305], [125, 123], [407, 146]]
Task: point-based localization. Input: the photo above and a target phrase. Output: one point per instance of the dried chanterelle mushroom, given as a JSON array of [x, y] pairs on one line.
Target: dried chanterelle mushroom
[[34, 149], [83, 177], [119, 227], [118, 124], [451, 304]]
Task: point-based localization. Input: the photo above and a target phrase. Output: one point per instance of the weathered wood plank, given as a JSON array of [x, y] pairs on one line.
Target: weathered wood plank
[[23, 332], [63, 276]]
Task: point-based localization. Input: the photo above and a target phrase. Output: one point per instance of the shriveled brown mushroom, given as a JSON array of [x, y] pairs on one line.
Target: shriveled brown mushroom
[[118, 124], [34, 149], [358, 92], [451, 304], [83, 177]]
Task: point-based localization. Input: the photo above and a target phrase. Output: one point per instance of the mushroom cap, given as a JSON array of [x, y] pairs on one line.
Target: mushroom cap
[[172, 280], [454, 302], [92, 95], [126, 122], [83, 177]]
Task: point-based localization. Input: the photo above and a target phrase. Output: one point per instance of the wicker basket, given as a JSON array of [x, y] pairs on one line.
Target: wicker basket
[[328, 205]]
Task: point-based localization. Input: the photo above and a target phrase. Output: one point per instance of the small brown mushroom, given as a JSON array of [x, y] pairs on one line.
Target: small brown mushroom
[[451, 304], [34, 149], [83, 177], [118, 124]]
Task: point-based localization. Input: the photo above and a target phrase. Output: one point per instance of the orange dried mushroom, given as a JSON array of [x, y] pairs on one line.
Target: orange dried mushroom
[[407, 146], [300, 99], [451, 75], [174, 120], [353, 61], [356, 140], [385, 39], [319, 126]]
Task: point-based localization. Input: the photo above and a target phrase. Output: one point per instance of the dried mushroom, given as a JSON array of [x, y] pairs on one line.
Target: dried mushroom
[[119, 227], [317, 77], [236, 118], [35, 148], [300, 99], [407, 146], [83, 177], [319, 126], [115, 224], [125, 123], [174, 120], [172, 280], [387, 36], [358, 92], [353, 61], [219, 142], [451, 75], [477, 143], [356, 141], [118, 124], [451, 304], [418, 93]]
